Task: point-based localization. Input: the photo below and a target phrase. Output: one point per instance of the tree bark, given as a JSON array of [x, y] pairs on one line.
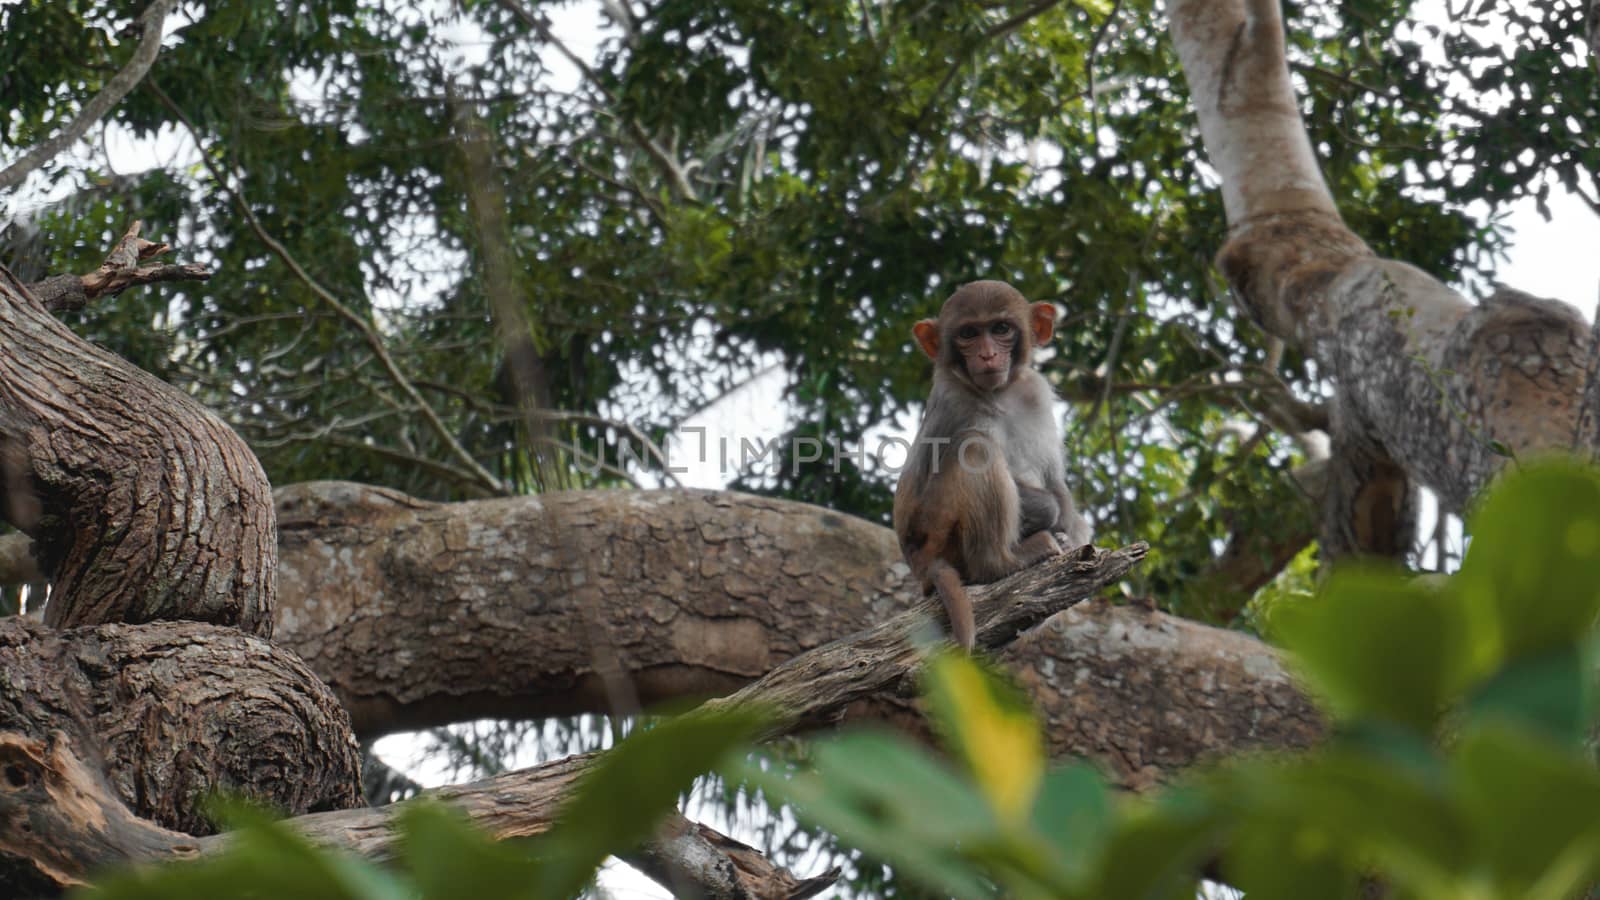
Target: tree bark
[[143, 505], [1430, 389], [144, 509], [53, 784], [175, 711], [419, 614], [403, 607]]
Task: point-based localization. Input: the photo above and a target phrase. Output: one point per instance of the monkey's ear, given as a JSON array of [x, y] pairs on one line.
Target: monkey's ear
[[927, 335], [1042, 318]]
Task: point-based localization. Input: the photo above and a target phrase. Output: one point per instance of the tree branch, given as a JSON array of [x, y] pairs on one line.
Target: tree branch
[[144, 55], [1430, 389], [142, 504], [810, 690], [486, 480], [717, 867], [120, 271], [675, 174]]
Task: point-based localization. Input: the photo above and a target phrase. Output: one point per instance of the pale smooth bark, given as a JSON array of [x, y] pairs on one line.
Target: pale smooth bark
[[1430, 388]]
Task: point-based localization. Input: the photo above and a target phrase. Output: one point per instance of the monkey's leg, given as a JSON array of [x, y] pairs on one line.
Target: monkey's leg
[[957, 605], [1037, 547]]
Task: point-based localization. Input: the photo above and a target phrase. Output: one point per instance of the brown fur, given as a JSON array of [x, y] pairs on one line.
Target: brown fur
[[983, 492]]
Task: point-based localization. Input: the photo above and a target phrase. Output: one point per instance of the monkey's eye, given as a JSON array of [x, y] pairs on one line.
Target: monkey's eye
[[1000, 329], [967, 332]]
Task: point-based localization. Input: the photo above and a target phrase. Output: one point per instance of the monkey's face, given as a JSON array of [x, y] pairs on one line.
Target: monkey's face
[[985, 334], [987, 350]]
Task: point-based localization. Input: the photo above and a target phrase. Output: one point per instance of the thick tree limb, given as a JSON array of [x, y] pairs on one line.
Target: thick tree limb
[[59, 821], [142, 504], [140, 701], [144, 55], [419, 614], [818, 688], [404, 607], [1433, 389], [812, 689]]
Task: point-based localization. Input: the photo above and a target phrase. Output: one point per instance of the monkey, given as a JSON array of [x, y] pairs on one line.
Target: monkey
[[983, 492]]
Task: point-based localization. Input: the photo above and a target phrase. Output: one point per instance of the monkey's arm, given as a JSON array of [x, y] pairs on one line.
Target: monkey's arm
[[1069, 522], [1040, 509]]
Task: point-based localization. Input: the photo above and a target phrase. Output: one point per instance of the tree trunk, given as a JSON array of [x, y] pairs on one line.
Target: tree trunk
[[143, 505], [174, 711], [147, 511], [1429, 389]]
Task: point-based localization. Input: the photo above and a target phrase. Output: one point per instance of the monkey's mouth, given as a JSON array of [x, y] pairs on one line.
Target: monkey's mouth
[[991, 379]]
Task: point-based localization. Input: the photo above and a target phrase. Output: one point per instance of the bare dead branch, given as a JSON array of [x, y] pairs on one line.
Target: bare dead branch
[[120, 271]]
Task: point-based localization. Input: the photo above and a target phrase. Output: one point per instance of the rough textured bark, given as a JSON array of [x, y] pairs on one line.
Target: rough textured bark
[[60, 822], [143, 505], [422, 613], [812, 689], [144, 509], [1147, 696], [365, 570], [171, 712], [1431, 387]]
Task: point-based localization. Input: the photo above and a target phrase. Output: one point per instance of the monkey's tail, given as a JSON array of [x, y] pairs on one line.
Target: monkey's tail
[[957, 605]]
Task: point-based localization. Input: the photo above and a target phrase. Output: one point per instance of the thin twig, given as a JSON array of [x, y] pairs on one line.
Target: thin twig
[[482, 478]]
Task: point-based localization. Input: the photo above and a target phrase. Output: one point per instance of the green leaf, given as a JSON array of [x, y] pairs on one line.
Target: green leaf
[[446, 856], [1531, 805], [618, 802], [1372, 645], [265, 860], [890, 798], [1380, 801], [1550, 693], [1298, 858], [991, 724], [1073, 814], [1531, 578], [1157, 850]]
